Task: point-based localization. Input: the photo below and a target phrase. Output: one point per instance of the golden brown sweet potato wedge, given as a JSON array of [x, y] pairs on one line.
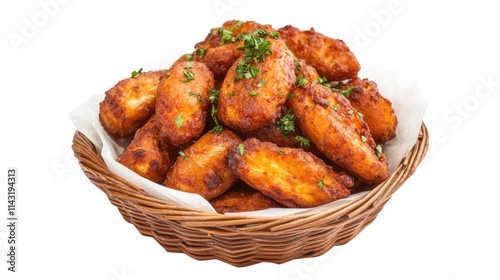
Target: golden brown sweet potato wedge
[[377, 110], [293, 177], [332, 58], [129, 104], [202, 167], [242, 198], [183, 100], [252, 94], [145, 155], [334, 126]]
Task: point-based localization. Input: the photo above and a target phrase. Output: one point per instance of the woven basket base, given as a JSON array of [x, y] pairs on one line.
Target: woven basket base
[[236, 239]]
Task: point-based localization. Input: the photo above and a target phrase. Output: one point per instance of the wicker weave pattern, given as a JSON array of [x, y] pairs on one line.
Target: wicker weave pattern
[[239, 240]]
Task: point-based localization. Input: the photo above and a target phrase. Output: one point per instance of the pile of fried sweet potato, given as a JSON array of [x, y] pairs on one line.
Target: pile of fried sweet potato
[[255, 118]]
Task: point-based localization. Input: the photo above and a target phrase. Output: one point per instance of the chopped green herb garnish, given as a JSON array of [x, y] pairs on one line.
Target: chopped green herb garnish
[[286, 124], [245, 70], [323, 81], [201, 52], [181, 152], [378, 150], [136, 73], [178, 121], [189, 57], [335, 107], [297, 64], [198, 96], [321, 183], [227, 34], [256, 48], [291, 95], [350, 112], [188, 75], [214, 96], [363, 138], [281, 152], [253, 93], [361, 116], [345, 92], [301, 80], [217, 129], [262, 83], [304, 142], [241, 148], [274, 35]]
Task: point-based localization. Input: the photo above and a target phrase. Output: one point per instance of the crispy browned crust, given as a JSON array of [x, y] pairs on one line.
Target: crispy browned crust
[[181, 108], [332, 58], [219, 57], [242, 198], [377, 110], [334, 126], [203, 168], [145, 155], [271, 134], [129, 104], [242, 111], [292, 177]]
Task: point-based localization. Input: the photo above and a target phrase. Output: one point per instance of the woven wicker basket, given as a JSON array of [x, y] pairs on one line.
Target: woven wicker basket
[[236, 239]]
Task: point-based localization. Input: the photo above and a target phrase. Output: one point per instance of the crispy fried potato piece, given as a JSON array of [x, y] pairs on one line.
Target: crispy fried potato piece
[[145, 155], [331, 57], [249, 104], [377, 110], [292, 177], [242, 198], [334, 126], [218, 51], [129, 104], [202, 168], [183, 99]]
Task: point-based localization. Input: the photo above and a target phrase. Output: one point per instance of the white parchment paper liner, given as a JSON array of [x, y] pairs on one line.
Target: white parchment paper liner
[[400, 87]]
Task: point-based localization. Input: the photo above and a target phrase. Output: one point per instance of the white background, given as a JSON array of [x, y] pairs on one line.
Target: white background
[[442, 224]]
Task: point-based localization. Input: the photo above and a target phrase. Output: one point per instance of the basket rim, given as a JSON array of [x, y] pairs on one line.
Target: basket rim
[[91, 161]]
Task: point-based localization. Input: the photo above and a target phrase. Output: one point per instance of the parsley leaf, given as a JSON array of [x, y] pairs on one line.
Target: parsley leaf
[[286, 124], [201, 52], [178, 121], [321, 183], [136, 73], [241, 149], [304, 142], [301, 80], [181, 152], [214, 96], [197, 95], [345, 92], [378, 150], [188, 75]]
